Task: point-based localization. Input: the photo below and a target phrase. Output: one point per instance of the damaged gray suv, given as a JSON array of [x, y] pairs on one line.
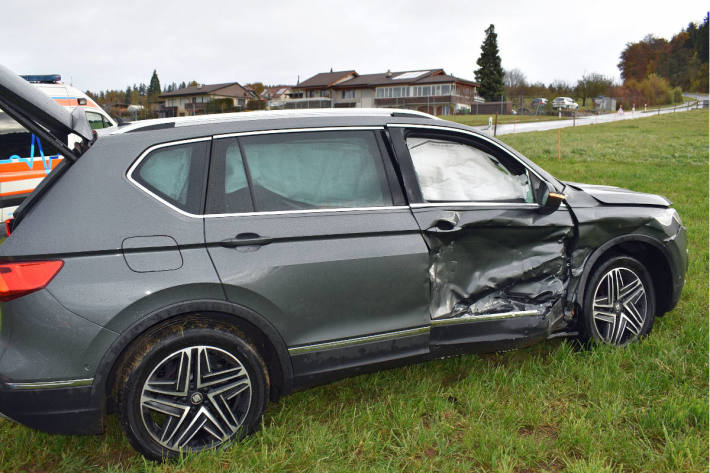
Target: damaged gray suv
[[183, 272]]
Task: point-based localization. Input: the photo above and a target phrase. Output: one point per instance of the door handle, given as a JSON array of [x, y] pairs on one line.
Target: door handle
[[246, 239], [445, 224]]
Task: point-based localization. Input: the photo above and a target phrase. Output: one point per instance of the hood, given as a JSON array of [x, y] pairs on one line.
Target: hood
[[30, 106], [611, 195]]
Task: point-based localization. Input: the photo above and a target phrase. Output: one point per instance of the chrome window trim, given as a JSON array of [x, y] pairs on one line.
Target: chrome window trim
[[52, 384], [524, 205], [470, 318], [307, 211], [347, 342], [470, 133], [142, 156]]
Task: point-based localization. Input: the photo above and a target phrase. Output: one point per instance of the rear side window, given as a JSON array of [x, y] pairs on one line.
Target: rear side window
[[300, 171], [176, 174]]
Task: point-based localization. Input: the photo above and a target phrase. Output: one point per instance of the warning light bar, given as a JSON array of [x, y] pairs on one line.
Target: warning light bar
[[43, 78]]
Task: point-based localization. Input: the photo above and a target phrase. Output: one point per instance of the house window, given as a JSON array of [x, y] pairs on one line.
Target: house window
[[348, 94], [431, 90], [392, 92]]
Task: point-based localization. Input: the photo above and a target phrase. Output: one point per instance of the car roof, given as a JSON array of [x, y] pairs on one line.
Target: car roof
[[258, 116]]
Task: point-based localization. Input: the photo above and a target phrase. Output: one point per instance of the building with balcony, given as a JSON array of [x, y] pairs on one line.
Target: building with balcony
[[204, 98], [432, 91]]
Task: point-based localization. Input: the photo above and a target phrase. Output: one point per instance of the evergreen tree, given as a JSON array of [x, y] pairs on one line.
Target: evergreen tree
[[128, 95], [490, 73], [154, 87]]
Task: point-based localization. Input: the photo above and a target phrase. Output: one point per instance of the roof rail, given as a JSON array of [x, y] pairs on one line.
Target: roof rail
[[145, 125]]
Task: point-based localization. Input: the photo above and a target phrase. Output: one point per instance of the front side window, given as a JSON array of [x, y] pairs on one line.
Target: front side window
[[449, 171], [96, 121], [176, 174], [311, 170]]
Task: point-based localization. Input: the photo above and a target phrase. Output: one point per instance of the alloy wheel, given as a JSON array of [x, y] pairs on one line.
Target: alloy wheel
[[620, 306], [195, 398]]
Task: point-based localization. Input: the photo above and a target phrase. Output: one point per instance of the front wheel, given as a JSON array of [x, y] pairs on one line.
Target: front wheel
[[619, 302], [190, 387]]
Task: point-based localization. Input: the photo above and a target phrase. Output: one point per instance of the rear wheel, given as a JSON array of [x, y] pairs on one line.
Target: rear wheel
[[191, 387], [619, 302]]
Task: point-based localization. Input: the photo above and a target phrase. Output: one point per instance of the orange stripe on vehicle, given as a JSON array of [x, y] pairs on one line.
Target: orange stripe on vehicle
[[18, 176], [5, 194], [18, 166], [67, 102]]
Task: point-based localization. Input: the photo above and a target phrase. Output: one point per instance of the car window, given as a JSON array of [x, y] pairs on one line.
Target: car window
[[96, 121], [448, 171], [176, 174], [315, 170], [18, 143], [228, 187]]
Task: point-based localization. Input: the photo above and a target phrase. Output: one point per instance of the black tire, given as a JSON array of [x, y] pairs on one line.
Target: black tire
[[212, 388], [613, 320]]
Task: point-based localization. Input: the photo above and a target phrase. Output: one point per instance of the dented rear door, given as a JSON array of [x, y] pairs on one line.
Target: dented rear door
[[498, 265]]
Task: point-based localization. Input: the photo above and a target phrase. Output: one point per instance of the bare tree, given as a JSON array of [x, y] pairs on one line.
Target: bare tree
[[592, 85], [515, 83], [514, 79]]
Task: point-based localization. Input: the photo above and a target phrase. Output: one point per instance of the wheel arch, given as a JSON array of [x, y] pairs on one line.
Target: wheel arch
[[649, 251], [256, 327]]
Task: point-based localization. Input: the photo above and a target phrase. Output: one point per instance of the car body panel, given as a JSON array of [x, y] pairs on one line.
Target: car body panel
[[328, 275], [617, 196], [51, 344]]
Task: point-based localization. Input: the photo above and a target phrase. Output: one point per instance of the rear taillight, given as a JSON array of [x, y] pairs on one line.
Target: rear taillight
[[19, 279], [8, 226]]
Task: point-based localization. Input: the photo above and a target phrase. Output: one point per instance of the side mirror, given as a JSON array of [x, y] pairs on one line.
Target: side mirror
[[548, 198]]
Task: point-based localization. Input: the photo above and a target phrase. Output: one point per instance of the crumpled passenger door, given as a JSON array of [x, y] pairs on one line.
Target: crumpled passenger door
[[498, 265]]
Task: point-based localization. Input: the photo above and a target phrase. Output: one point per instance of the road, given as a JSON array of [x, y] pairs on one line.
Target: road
[[589, 120]]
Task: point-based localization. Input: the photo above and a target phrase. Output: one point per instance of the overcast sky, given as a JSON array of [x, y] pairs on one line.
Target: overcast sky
[[97, 44]]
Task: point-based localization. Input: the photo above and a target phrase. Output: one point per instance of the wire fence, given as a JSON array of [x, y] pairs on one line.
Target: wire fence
[[522, 125]]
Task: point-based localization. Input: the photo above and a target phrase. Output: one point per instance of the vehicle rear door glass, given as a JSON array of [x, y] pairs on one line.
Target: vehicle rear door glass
[[228, 188], [449, 171], [305, 170], [176, 174]]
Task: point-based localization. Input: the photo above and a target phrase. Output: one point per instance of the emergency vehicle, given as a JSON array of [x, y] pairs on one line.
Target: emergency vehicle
[[24, 159]]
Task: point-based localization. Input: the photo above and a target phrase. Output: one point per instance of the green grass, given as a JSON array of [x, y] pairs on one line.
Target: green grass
[[549, 408], [482, 119]]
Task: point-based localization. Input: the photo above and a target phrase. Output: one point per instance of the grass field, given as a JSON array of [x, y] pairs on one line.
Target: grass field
[[549, 408], [482, 119]]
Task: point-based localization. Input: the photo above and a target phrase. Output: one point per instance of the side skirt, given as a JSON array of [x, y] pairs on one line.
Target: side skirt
[[324, 362]]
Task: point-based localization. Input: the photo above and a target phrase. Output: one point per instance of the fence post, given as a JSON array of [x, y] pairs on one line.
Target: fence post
[[559, 144], [659, 111], [495, 126]]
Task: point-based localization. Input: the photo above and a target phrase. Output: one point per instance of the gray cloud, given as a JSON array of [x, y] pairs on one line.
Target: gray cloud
[[98, 44]]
